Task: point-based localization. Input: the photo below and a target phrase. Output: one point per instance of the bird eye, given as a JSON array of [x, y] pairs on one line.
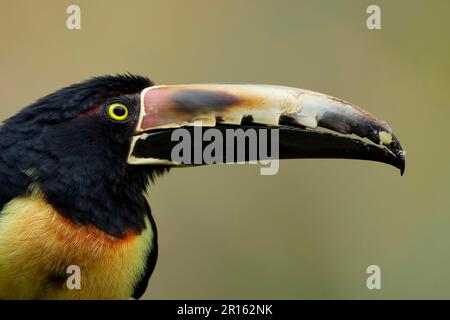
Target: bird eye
[[118, 111]]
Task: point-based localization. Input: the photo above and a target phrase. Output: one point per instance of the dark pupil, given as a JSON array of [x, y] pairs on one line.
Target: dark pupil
[[119, 111]]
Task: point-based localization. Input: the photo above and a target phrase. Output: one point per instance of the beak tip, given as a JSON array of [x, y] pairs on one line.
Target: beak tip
[[403, 163], [399, 154]]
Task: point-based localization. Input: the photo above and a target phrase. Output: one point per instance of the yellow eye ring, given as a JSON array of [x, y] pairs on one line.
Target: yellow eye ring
[[118, 111]]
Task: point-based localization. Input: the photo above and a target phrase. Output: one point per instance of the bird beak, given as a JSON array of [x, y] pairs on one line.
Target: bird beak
[[309, 124]]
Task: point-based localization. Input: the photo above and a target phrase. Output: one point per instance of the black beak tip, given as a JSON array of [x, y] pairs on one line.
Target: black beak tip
[[399, 153], [402, 162]]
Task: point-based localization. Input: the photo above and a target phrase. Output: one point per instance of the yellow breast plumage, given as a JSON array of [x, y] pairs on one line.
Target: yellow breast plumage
[[37, 245]]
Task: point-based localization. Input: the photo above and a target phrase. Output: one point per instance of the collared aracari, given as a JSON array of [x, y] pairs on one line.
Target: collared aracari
[[75, 165]]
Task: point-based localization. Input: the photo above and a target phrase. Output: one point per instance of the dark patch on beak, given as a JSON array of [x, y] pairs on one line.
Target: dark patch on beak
[[196, 101], [362, 126]]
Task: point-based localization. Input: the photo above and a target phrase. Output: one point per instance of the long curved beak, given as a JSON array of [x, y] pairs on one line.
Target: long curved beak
[[310, 124]]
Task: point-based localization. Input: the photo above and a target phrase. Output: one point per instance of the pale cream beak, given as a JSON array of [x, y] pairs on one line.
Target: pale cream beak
[[301, 115]]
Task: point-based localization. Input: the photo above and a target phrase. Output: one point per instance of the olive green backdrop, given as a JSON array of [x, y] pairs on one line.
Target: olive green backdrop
[[312, 230]]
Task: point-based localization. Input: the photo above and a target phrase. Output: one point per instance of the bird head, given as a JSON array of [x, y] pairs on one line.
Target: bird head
[[91, 148]]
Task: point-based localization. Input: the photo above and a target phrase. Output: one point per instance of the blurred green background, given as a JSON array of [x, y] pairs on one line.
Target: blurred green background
[[312, 230]]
